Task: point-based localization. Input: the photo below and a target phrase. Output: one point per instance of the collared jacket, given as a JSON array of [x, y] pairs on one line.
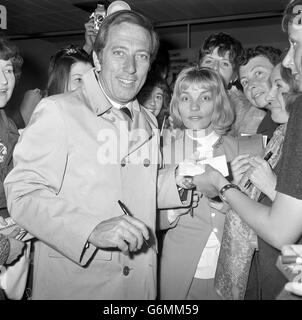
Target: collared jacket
[[8, 138], [74, 161]]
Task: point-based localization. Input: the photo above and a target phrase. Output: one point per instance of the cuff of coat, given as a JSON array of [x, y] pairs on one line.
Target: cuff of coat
[[165, 222], [88, 249], [170, 188]]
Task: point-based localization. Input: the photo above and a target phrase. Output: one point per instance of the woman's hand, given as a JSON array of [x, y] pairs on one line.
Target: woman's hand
[[293, 250], [262, 176], [174, 214], [210, 182], [239, 166]]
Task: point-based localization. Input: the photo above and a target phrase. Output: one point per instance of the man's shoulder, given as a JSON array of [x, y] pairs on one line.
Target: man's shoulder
[[64, 101], [148, 115]]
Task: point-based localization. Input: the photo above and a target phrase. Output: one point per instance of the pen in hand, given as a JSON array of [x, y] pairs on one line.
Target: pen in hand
[[266, 158], [127, 213]]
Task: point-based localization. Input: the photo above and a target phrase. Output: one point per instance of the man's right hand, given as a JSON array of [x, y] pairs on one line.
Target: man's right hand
[[123, 232]]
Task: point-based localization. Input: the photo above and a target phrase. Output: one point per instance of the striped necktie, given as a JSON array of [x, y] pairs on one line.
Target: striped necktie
[[127, 112]]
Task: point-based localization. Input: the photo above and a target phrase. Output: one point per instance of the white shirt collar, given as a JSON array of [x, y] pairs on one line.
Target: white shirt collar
[[205, 141]]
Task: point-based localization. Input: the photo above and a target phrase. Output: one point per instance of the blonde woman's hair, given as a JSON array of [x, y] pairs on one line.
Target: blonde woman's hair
[[223, 114]]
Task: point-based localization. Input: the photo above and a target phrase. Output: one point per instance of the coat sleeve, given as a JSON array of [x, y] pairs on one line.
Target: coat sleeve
[[163, 222], [33, 187], [167, 193]]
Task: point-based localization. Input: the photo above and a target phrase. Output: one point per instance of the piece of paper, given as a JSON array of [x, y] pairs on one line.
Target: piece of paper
[[192, 168], [219, 163]]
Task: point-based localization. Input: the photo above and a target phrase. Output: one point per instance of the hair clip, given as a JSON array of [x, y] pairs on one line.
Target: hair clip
[[71, 51]]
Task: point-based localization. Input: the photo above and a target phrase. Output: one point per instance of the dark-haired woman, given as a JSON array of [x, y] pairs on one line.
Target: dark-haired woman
[[10, 71]]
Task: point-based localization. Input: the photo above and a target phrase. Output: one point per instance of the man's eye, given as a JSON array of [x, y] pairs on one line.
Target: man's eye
[[258, 73], [118, 53], [77, 79], [143, 56]]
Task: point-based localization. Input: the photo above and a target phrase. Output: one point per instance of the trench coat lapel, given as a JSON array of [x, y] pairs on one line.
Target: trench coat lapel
[[140, 130]]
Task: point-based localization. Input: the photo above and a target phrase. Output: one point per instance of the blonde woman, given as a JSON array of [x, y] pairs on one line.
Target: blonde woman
[[202, 113]]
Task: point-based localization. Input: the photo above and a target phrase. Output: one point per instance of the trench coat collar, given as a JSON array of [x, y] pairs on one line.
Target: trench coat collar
[[140, 130]]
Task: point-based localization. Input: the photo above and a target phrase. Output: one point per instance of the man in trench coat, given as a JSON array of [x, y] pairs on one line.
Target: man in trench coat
[[78, 156]]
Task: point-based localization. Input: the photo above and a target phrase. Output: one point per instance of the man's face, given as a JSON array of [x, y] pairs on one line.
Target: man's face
[[124, 61], [254, 78], [220, 64], [293, 59]]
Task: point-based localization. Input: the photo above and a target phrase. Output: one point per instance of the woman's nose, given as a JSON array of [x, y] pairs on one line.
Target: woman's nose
[[271, 95], [195, 106]]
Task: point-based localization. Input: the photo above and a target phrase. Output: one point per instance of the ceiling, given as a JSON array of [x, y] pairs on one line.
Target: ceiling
[[47, 18]]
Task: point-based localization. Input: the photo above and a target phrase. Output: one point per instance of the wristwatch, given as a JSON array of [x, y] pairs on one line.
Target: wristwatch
[[225, 188]]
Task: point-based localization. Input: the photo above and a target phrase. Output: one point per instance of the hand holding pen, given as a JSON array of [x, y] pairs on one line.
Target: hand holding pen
[[123, 232], [252, 161], [128, 213]]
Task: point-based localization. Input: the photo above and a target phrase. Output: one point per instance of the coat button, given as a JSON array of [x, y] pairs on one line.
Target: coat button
[[123, 162], [126, 271], [146, 162]]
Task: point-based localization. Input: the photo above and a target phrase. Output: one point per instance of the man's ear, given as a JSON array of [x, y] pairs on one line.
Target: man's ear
[[96, 61]]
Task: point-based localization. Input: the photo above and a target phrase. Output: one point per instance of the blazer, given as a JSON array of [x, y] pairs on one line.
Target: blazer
[[73, 162], [186, 238]]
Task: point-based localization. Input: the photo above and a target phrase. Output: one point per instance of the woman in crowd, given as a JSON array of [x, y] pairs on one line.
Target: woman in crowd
[[265, 280], [277, 224], [224, 53], [65, 72], [10, 71], [66, 69], [155, 95], [202, 113]]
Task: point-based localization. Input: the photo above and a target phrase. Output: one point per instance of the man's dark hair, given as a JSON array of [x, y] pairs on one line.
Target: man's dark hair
[[119, 17], [225, 43], [271, 53]]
